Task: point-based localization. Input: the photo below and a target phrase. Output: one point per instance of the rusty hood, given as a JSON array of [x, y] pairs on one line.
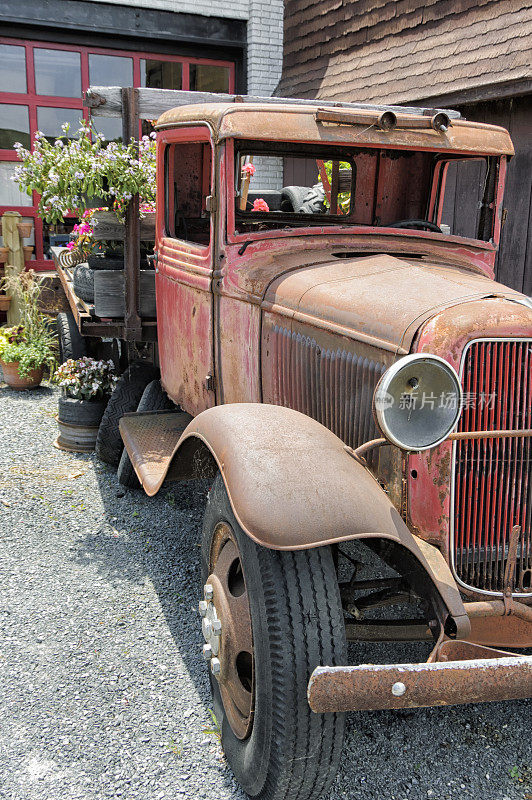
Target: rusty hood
[[378, 299]]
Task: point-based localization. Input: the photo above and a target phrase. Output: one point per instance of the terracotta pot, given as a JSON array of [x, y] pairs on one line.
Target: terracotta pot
[[25, 229], [5, 302], [27, 252], [75, 438], [13, 379], [4, 254]]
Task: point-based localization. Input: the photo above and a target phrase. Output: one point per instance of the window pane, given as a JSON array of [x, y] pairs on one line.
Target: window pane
[[49, 121], [110, 71], [10, 194], [57, 72], [14, 126], [12, 68], [110, 127], [209, 78], [160, 74]]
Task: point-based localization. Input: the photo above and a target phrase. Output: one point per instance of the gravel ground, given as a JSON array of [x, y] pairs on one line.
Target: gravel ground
[[104, 693]]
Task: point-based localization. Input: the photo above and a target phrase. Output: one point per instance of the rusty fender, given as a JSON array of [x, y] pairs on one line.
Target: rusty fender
[[292, 485], [456, 672]]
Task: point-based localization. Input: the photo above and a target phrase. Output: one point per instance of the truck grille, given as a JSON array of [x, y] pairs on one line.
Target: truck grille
[[492, 477], [334, 387]]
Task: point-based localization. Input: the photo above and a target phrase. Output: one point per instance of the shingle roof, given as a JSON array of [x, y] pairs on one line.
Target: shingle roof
[[403, 51]]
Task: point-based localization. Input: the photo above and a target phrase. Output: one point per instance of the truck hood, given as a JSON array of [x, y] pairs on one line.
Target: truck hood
[[378, 299]]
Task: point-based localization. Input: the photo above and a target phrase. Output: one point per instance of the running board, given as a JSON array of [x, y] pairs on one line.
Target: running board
[[151, 438]]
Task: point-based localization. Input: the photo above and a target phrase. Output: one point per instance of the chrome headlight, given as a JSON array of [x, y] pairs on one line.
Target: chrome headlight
[[418, 401]]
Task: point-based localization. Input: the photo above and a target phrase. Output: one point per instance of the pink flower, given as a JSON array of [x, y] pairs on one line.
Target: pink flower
[[248, 170], [260, 205], [70, 245]]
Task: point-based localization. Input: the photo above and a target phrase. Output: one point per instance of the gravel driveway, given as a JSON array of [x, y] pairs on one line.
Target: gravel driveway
[[104, 692]]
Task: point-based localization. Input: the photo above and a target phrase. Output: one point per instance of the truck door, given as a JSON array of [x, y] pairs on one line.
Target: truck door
[[185, 246]]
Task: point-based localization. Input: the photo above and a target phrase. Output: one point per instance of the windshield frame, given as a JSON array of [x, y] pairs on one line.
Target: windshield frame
[[230, 221]]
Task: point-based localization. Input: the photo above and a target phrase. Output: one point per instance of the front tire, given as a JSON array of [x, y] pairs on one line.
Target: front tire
[[282, 750]]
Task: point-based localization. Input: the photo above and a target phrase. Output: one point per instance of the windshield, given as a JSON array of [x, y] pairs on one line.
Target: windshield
[[279, 185]]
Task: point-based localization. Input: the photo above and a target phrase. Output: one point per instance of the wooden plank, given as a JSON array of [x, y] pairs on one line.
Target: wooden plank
[[130, 130], [106, 101], [108, 227]]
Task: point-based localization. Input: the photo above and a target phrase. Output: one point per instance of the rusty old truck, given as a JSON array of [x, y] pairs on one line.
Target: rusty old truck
[[347, 372]]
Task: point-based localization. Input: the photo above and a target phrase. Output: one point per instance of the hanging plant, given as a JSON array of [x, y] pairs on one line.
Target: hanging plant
[[67, 174]]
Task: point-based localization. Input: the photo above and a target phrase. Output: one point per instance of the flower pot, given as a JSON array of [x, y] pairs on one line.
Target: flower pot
[[4, 254], [5, 302], [74, 411], [15, 381], [76, 438], [24, 229], [27, 252]]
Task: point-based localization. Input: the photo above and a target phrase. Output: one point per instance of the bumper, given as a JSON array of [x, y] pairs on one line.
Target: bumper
[[463, 673]]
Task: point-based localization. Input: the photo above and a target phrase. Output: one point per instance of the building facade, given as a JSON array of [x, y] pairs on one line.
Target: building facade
[[50, 53], [474, 55]]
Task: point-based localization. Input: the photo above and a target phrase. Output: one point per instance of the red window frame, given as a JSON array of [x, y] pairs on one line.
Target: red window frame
[[33, 100]]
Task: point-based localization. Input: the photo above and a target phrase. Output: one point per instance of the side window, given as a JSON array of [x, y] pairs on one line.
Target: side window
[[187, 184]]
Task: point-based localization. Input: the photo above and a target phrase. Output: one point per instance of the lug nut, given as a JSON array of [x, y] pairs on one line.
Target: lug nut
[[216, 626], [207, 652], [202, 607], [206, 627], [215, 666], [208, 591]]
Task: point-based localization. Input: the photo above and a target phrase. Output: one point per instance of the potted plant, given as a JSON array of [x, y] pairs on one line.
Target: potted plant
[[28, 251], [87, 385], [26, 350]]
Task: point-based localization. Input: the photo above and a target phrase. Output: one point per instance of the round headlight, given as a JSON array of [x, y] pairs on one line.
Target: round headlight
[[417, 402]]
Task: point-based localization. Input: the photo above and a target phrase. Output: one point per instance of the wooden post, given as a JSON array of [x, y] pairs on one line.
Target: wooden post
[[130, 130], [15, 261]]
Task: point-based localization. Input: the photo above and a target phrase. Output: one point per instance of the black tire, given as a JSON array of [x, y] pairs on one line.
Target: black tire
[[81, 412], [83, 282], [126, 397], [106, 262], [297, 624], [154, 398], [71, 342], [313, 202], [109, 294], [292, 198]]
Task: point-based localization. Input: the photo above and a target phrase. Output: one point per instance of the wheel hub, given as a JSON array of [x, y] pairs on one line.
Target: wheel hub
[[226, 629]]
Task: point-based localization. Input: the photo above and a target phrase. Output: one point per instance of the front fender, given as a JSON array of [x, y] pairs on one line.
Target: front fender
[[292, 485]]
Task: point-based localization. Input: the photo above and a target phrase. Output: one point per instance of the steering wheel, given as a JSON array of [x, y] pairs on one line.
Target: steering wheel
[[417, 224]]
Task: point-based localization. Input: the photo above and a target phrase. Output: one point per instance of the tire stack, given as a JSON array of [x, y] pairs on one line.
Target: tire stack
[[83, 274]]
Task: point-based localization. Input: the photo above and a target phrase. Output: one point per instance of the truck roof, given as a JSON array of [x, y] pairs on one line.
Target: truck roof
[[318, 123]]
